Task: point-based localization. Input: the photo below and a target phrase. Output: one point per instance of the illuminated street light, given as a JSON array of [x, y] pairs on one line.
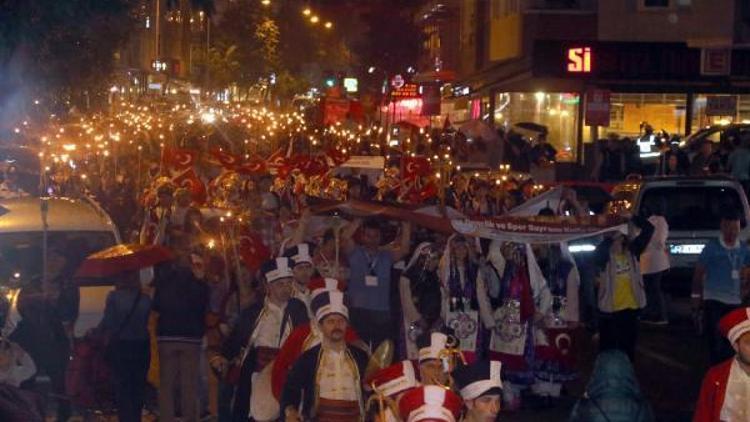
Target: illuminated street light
[[371, 70], [329, 25], [314, 19], [307, 11], [266, 2]]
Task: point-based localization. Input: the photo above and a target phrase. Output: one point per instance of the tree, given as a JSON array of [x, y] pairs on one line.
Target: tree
[[62, 50], [222, 65]]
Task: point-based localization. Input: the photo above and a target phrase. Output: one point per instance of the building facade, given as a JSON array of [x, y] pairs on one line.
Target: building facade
[[658, 61]]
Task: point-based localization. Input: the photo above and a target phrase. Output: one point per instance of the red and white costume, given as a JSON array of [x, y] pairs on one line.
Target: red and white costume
[[725, 393]]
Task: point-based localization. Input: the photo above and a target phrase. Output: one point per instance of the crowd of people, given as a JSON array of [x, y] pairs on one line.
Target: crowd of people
[[276, 307]]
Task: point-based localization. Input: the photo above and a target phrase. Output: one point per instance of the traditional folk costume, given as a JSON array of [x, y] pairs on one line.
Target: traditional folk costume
[[325, 384], [725, 393], [255, 341], [511, 293], [388, 386], [442, 347], [460, 304], [304, 337], [554, 361], [300, 255], [430, 403], [421, 300]]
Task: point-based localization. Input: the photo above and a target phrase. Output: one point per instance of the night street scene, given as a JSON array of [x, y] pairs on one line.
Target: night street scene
[[374, 210]]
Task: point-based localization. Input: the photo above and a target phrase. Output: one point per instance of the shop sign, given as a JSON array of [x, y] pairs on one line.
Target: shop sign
[[406, 91], [597, 107], [461, 90], [398, 82], [579, 60], [351, 85], [721, 105], [716, 61]]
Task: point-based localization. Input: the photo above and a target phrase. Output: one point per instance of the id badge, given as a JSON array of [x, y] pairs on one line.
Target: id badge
[[735, 274], [371, 281]]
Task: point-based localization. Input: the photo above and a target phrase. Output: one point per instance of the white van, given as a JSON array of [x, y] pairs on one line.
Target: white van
[[693, 207], [79, 227]]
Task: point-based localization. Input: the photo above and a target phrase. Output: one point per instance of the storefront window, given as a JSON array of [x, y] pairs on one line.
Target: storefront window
[[629, 113], [701, 119], [557, 111]]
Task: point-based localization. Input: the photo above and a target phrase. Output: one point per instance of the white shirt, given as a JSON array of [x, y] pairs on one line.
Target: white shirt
[[268, 330], [737, 398], [655, 258], [337, 379]]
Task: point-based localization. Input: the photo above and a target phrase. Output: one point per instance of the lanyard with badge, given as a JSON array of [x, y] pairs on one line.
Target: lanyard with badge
[[371, 278], [735, 260]]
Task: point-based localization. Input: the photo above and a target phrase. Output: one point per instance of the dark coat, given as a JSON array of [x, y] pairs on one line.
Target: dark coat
[[300, 383], [295, 314], [181, 300]]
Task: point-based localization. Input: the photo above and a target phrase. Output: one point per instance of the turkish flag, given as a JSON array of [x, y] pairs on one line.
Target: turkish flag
[[310, 166], [189, 180], [277, 159], [416, 167], [179, 158], [251, 167], [227, 160], [252, 250], [335, 157]]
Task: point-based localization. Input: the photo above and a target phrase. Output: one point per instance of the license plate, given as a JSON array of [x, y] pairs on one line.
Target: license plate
[[686, 249]]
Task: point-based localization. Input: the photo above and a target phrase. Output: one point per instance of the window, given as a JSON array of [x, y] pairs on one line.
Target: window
[[692, 207]]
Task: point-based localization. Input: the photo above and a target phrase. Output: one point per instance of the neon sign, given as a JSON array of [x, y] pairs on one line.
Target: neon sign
[[579, 60]]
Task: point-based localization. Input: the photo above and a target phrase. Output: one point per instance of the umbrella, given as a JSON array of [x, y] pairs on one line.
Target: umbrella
[[478, 129], [121, 258], [534, 127]]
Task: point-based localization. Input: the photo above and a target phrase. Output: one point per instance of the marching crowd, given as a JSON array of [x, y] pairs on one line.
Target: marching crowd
[[278, 308]]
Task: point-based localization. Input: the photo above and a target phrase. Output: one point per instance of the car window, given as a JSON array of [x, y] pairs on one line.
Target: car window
[[21, 253], [691, 207]]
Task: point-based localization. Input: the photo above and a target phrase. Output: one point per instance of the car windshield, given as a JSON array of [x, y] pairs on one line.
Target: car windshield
[[691, 207], [21, 253]]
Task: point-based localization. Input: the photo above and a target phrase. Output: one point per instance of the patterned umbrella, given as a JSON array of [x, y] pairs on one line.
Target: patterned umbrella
[[121, 258]]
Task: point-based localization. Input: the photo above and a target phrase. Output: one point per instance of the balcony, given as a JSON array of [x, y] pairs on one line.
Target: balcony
[[561, 6]]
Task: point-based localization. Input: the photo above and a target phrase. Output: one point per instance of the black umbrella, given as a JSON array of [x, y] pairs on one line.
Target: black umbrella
[[534, 127]]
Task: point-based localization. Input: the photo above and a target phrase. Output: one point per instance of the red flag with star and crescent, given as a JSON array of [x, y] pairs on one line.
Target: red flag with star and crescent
[[225, 159], [335, 157], [251, 167], [189, 180], [416, 167], [277, 159], [179, 158], [252, 249]]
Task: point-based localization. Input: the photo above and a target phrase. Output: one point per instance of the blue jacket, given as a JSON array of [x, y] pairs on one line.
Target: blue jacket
[[613, 394]]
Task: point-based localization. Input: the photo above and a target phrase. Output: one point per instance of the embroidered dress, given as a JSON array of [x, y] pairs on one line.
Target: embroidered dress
[[554, 359]]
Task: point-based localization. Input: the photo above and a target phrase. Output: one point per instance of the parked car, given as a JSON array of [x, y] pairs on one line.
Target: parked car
[[78, 227], [715, 134], [692, 206]]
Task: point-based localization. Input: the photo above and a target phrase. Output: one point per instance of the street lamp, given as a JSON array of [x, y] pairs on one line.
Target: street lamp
[[266, 2], [371, 70], [307, 11], [314, 19], [329, 25]]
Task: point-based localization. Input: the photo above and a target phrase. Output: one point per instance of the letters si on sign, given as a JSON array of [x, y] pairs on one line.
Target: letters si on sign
[[579, 60]]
